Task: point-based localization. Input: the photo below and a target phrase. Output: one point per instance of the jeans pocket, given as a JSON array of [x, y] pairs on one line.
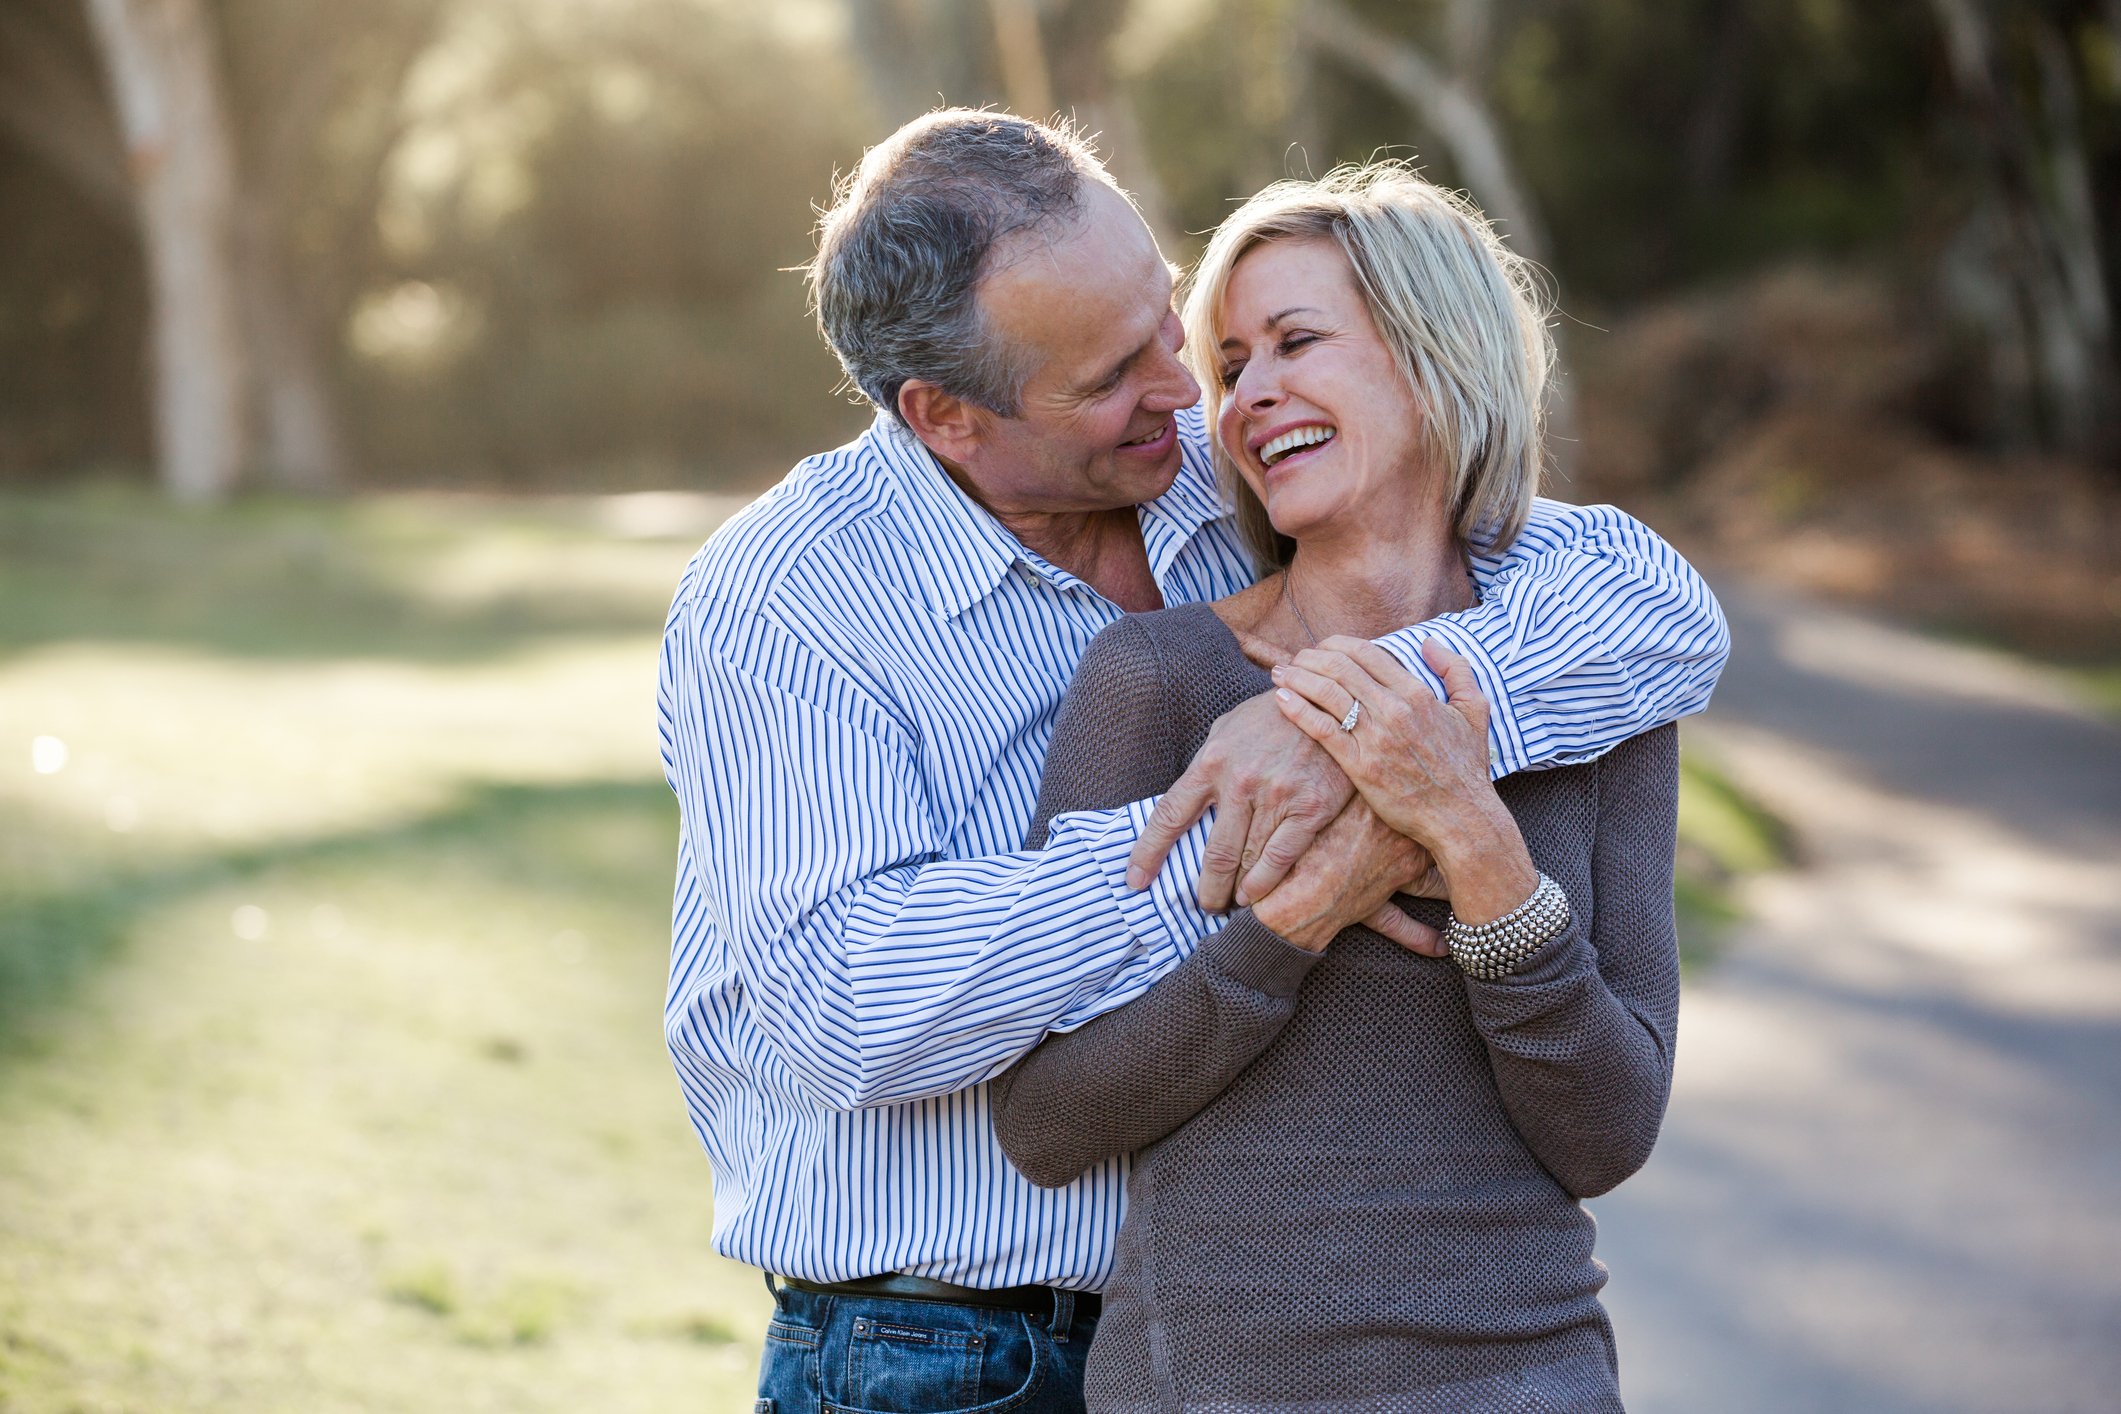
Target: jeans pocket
[[909, 1365]]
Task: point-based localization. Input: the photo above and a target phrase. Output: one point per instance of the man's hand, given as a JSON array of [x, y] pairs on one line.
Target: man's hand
[[1349, 876], [1273, 790]]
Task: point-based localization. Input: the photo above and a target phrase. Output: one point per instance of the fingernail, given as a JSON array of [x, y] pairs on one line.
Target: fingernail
[[1136, 880], [1244, 898], [1276, 672], [1284, 694]]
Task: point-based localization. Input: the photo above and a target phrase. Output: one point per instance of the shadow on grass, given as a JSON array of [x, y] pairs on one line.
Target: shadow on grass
[[51, 943], [307, 580]]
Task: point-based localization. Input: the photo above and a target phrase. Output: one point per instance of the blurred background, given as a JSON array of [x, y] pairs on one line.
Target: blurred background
[[368, 372]]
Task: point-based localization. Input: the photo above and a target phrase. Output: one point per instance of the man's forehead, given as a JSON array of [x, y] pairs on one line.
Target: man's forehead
[[1077, 291], [1106, 235]]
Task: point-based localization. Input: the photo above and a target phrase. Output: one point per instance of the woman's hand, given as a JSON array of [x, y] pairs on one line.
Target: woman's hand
[[1422, 765], [1347, 876]]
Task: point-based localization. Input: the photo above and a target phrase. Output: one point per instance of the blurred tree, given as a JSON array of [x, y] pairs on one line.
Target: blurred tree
[[161, 60], [317, 88], [2028, 267], [276, 83], [1451, 100], [587, 229]]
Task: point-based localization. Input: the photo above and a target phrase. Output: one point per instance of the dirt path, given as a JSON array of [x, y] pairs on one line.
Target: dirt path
[[1891, 1178]]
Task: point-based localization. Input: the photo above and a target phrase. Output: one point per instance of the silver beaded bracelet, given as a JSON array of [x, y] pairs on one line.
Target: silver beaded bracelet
[[1492, 950]]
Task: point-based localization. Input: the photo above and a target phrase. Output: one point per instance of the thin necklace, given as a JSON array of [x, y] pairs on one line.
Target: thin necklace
[[1288, 594], [1289, 597]]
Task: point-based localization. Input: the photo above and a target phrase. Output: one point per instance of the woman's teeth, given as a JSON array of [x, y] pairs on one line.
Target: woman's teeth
[[1289, 442]]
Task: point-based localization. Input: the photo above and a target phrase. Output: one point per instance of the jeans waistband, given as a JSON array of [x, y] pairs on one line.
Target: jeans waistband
[[1045, 1302]]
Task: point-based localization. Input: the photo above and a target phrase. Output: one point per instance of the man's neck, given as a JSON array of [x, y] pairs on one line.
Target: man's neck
[[1104, 549]]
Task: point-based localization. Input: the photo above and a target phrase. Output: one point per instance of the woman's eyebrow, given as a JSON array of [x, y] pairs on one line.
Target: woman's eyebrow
[[1272, 321]]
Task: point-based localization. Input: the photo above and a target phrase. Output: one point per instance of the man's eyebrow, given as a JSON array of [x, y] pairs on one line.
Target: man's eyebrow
[[1272, 321]]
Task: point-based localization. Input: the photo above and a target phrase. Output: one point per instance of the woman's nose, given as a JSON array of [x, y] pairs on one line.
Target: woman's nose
[[1256, 389]]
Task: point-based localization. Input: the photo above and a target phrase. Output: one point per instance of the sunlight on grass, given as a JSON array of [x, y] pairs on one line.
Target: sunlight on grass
[[2100, 686], [330, 1067]]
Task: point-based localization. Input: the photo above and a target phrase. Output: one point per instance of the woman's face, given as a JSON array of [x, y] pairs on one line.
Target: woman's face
[[1315, 414]]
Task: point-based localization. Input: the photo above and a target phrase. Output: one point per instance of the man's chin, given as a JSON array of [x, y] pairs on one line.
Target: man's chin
[[1144, 480]]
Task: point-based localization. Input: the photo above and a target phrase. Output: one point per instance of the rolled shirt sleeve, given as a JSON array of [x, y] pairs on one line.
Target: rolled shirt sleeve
[[1591, 629]]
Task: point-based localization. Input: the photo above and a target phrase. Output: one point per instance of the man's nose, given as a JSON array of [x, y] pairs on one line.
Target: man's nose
[[1175, 385]]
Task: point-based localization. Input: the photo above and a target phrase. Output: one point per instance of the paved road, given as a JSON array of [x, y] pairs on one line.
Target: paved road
[[1891, 1177]]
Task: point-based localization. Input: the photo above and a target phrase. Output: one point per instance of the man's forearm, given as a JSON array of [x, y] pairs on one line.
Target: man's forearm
[[919, 981]]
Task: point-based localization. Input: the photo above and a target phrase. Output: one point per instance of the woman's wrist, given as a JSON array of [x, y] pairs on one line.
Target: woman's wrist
[[1486, 865]]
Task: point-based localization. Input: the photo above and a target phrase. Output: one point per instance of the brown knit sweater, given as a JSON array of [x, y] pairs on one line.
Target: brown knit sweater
[[1356, 1174]]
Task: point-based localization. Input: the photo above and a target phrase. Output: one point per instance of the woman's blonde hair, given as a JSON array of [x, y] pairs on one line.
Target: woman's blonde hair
[[1464, 315]]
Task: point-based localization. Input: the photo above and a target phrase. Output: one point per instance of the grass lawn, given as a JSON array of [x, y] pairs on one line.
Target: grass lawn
[[334, 871], [331, 958]]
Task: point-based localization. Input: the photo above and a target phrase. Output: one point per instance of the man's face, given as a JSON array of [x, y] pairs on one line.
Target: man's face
[[1088, 310]]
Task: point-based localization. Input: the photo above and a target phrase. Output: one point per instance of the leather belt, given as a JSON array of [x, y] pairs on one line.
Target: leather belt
[[1031, 1300]]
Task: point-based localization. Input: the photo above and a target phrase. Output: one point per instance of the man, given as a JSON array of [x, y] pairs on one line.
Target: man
[[858, 682]]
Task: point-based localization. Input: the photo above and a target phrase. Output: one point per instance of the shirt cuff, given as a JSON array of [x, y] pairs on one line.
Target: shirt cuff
[[1507, 753], [1166, 912]]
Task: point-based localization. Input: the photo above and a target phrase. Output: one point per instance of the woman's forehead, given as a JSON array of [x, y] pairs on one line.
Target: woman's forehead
[[1277, 275]]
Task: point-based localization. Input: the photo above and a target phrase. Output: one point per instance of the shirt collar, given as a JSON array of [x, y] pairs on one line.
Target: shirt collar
[[959, 551], [963, 552]]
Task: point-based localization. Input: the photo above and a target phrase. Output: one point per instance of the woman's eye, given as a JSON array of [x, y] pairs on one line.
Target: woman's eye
[[1296, 341], [1228, 377]]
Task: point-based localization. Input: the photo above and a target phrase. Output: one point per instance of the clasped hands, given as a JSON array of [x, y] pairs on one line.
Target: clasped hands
[[1315, 827]]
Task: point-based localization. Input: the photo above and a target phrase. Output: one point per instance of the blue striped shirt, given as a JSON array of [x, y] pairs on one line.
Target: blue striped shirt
[[859, 678]]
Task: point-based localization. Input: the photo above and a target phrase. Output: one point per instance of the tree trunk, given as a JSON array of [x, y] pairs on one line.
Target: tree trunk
[[1079, 36], [1026, 77], [917, 55], [163, 71]]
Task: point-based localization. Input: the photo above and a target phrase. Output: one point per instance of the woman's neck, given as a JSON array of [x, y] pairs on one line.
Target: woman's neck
[[1371, 585]]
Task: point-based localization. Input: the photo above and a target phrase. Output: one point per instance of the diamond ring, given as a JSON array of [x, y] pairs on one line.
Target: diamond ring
[[1347, 723]]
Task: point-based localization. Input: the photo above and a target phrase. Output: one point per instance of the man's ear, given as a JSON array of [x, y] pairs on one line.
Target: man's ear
[[949, 425]]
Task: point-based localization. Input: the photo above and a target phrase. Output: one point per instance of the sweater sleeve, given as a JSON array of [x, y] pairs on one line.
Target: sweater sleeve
[[1581, 1037], [1134, 1075], [1131, 1076]]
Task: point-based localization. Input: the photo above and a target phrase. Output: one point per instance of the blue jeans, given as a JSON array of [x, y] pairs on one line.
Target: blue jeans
[[875, 1355]]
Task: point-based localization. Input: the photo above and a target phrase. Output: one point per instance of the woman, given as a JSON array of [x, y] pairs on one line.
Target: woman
[[1358, 1167]]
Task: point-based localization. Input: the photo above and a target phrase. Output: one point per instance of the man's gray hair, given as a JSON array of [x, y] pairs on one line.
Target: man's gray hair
[[911, 233]]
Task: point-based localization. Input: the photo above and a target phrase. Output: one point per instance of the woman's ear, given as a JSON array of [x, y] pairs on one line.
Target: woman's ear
[[946, 423]]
